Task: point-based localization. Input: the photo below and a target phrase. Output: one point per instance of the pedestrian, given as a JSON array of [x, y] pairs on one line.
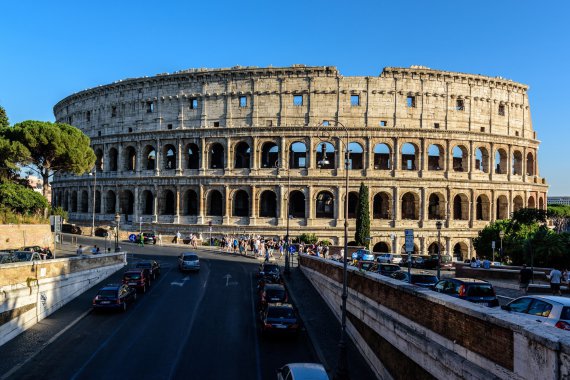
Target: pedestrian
[[525, 275], [94, 249], [555, 279], [141, 240], [159, 239], [79, 250], [178, 237]]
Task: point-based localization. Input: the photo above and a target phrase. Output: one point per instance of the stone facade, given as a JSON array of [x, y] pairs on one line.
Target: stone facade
[[233, 147]]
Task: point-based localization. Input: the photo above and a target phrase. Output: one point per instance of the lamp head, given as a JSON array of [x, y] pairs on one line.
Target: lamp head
[[438, 225], [501, 234]]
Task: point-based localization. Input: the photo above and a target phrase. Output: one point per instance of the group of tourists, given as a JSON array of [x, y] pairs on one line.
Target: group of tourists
[[556, 278]]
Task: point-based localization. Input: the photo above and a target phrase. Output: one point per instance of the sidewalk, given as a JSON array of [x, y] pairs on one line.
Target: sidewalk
[[323, 328]]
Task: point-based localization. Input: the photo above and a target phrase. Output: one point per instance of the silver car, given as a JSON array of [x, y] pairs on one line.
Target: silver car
[[549, 310], [188, 261]]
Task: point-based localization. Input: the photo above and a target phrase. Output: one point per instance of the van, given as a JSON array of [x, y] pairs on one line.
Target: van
[[389, 258]]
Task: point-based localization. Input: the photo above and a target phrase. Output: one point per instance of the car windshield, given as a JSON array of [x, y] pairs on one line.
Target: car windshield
[[480, 291], [132, 276], [107, 293], [424, 278], [275, 293], [389, 268], [445, 259], [190, 258], [270, 268], [280, 312]]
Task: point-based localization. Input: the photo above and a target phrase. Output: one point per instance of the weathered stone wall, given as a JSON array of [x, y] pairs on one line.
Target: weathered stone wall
[[410, 332], [234, 146], [16, 236]]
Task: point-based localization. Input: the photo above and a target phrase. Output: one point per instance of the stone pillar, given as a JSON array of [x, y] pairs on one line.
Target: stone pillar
[[423, 207], [448, 159], [204, 156], [254, 159], [395, 156], [105, 164], [310, 161], [396, 215], [229, 164], [510, 163], [471, 161], [423, 157], [155, 205], [309, 205], [368, 156], [203, 103], [338, 214], [136, 206], [179, 156], [448, 210], [473, 208], [283, 155], [157, 158], [202, 204], [227, 205], [492, 163], [254, 208], [177, 209], [139, 154]]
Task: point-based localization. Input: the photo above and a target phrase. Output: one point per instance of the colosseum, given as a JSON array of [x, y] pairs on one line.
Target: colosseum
[[249, 150]]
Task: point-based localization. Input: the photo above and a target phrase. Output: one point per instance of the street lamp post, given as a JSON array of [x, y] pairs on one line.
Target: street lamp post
[[501, 236], [117, 222], [94, 174], [438, 225], [342, 367]]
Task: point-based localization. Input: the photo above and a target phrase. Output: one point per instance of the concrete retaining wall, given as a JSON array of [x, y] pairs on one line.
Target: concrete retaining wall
[[16, 236], [31, 291], [409, 332]]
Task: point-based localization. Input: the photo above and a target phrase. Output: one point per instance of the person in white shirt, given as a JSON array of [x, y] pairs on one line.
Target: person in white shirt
[[555, 279]]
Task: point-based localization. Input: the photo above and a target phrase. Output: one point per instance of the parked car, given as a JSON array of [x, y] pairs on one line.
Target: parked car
[[272, 293], [388, 269], [70, 229], [269, 273], [148, 237], [389, 258], [188, 261], [114, 296], [302, 371], [362, 254], [137, 278], [101, 232], [549, 310], [152, 266], [45, 253], [21, 256], [469, 289], [425, 280], [405, 258], [279, 318]]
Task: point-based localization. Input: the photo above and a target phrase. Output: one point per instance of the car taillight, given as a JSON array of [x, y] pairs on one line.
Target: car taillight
[[462, 291], [563, 325]]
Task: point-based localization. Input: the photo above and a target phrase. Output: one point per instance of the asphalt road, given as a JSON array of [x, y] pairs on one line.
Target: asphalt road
[[188, 326]]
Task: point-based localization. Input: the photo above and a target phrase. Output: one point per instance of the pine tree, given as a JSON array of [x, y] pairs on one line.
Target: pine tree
[[4, 123], [362, 217]]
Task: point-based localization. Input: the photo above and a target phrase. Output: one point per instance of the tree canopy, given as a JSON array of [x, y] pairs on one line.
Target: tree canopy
[[54, 147], [4, 123], [21, 199]]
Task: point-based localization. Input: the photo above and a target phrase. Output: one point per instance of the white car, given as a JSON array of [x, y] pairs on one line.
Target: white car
[[389, 258], [302, 371], [188, 261], [549, 310]]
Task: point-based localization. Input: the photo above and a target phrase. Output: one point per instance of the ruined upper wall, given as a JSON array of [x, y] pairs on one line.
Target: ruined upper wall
[[408, 98]]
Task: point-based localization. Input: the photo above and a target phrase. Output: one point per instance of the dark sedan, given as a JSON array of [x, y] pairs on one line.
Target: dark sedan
[[137, 278], [279, 318], [425, 280], [152, 266], [469, 289], [272, 293], [114, 296], [148, 237]]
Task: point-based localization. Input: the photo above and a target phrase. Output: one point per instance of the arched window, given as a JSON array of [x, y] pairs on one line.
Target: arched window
[[382, 157], [381, 206], [269, 155], [298, 155], [84, 201], [482, 160], [540, 203], [502, 207], [500, 161], [381, 247], [191, 203], [434, 248], [326, 156], [460, 207], [529, 164], [192, 156], [325, 205], [169, 203], [409, 207], [130, 159], [170, 157], [215, 203], [110, 201], [216, 156], [148, 202], [460, 251], [113, 156], [352, 204], [242, 156], [241, 203], [99, 160], [460, 163], [297, 204], [435, 157], [150, 158], [409, 157], [127, 202], [518, 203], [356, 161], [482, 207], [435, 207], [531, 203], [268, 204], [97, 202], [517, 163]]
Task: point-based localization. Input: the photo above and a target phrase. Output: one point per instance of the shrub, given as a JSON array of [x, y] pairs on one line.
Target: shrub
[[309, 238]]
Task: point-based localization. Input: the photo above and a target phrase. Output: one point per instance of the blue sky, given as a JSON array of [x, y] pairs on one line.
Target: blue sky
[[49, 50]]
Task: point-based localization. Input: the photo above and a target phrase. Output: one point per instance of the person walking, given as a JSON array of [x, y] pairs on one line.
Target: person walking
[[525, 275], [159, 239], [178, 237], [555, 279]]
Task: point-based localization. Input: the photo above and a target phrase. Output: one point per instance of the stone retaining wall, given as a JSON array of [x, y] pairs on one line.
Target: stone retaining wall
[[16, 236]]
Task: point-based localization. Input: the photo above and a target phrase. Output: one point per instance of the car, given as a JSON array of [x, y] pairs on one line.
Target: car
[[45, 253], [549, 310], [188, 261], [430, 262], [423, 279], [469, 289], [148, 237], [269, 273], [279, 317], [369, 266], [405, 259], [302, 371], [137, 278], [101, 232], [70, 229], [21, 256], [389, 258], [272, 293], [114, 296], [362, 254], [152, 266], [388, 269]]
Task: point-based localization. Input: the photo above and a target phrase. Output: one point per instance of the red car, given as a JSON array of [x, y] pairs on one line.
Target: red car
[[137, 278]]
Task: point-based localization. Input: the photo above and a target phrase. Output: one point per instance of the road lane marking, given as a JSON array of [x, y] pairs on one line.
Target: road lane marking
[[180, 283], [228, 283], [53, 339]]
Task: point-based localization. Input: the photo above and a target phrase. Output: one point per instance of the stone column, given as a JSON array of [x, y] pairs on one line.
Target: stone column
[[448, 210], [229, 164], [309, 206], [448, 159], [139, 154], [155, 205], [423, 207], [396, 215], [254, 210], [471, 161], [177, 210], [395, 156], [136, 206], [423, 156], [201, 205], [369, 156], [510, 163], [227, 205], [179, 156], [492, 163], [473, 208], [203, 104], [157, 158], [283, 155], [254, 161], [203, 155]]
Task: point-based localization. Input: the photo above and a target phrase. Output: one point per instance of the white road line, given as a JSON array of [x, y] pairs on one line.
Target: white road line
[[53, 339]]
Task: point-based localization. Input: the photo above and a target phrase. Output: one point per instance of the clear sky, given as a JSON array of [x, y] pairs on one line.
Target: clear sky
[[51, 49]]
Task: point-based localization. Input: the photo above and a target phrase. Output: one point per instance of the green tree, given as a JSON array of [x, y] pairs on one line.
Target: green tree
[[362, 233], [309, 238], [4, 123], [54, 148], [560, 216], [21, 199], [59, 211], [12, 153]]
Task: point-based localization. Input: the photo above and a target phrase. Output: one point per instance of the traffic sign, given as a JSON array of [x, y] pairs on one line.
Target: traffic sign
[[493, 244], [409, 234], [132, 238]]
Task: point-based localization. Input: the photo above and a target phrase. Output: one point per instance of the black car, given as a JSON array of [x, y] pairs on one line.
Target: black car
[[137, 278], [270, 272], [469, 289], [279, 318], [152, 266], [425, 280], [387, 269], [114, 296], [148, 237], [272, 293], [70, 229]]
